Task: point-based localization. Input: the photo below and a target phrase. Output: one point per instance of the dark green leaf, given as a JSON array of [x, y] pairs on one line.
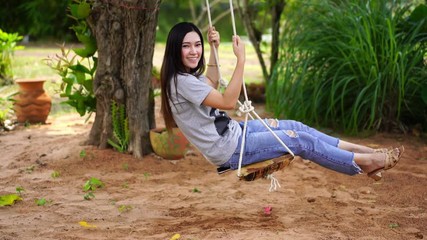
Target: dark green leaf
[[79, 68], [83, 10]]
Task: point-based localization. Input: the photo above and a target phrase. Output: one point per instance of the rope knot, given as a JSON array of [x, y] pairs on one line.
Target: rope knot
[[246, 107], [274, 183]]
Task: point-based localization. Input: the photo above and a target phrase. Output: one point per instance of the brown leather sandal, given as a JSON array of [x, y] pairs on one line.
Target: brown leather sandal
[[392, 158]]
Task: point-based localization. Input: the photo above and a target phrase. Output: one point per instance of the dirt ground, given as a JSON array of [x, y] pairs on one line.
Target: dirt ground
[[154, 198]]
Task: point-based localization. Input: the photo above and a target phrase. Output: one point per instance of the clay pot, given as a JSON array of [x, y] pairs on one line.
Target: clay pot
[[32, 104], [169, 146]]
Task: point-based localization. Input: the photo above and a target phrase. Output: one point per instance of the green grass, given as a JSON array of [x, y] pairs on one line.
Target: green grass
[[352, 65]]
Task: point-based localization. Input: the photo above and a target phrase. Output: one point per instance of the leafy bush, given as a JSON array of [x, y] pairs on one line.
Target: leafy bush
[[39, 19], [354, 65], [8, 46], [77, 78]]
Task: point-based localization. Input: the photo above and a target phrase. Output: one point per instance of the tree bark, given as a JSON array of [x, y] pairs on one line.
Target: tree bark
[[276, 13], [255, 35], [125, 35]]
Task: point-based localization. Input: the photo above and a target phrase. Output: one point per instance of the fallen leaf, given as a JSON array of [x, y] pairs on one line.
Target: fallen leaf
[[9, 199], [176, 236], [86, 225]]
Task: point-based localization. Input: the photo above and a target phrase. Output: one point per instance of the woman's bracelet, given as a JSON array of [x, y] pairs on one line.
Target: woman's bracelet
[[213, 65]]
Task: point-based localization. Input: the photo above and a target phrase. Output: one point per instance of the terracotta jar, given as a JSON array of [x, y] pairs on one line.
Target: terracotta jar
[[32, 103], [169, 146]]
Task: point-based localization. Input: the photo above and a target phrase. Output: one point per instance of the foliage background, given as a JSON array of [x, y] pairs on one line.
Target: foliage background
[[353, 65], [47, 19]]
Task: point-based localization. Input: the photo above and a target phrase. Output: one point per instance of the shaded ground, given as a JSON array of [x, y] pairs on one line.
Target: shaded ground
[[153, 198]]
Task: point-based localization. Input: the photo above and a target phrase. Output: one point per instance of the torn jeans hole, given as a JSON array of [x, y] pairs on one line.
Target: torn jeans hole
[[291, 133], [274, 123]]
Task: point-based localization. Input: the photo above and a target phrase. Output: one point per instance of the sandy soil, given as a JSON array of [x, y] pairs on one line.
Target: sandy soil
[[154, 198]]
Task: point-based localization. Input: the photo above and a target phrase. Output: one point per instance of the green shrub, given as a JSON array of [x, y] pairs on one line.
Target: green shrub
[[77, 80], [353, 65], [77, 69], [8, 46], [38, 19]]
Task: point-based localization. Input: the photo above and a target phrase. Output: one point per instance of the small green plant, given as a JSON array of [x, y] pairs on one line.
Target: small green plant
[[19, 190], [89, 196], [42, 201], [30, 169], [196, 190], [86, 155], [125, 166], [92, 184], [55, 174], [120, 127], [8, 46], [124, 208], [393, 225], [82, 153], [146, 175]]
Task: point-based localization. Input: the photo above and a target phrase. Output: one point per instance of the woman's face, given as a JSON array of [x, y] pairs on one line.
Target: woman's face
[[191, 50]]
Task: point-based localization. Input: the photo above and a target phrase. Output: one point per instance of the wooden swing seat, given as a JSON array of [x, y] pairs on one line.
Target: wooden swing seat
[[262, 169]]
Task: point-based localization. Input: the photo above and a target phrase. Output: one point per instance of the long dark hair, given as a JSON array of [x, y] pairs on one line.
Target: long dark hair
[[173, 65]]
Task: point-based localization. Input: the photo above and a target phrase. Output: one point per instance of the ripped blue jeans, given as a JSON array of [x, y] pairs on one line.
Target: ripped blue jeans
[[303, 141]]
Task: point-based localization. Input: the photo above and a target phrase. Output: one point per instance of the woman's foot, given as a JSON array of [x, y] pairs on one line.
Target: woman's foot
[[381, 150], [392, 157]]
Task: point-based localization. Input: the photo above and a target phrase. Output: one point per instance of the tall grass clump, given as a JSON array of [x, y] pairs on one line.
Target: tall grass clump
[[354, 65]]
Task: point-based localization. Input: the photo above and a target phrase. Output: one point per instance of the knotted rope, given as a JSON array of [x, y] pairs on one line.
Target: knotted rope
[[246, 107], [274, 183]]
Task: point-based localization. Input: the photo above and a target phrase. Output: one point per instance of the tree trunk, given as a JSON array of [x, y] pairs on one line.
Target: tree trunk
[[255, 35], [276, 13], [125, 35]]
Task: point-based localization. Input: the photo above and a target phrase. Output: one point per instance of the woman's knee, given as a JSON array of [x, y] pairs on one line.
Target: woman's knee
[[292, 124]]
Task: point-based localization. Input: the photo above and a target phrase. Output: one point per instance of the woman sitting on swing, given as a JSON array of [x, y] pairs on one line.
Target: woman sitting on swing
[[191, 101]]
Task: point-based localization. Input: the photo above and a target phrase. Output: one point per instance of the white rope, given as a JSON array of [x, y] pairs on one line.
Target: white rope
[[222, 82], [274, 183], [233, 22], [246, 107]]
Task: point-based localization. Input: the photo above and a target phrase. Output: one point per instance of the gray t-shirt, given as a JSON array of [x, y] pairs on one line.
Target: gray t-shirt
[[196, 122]]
